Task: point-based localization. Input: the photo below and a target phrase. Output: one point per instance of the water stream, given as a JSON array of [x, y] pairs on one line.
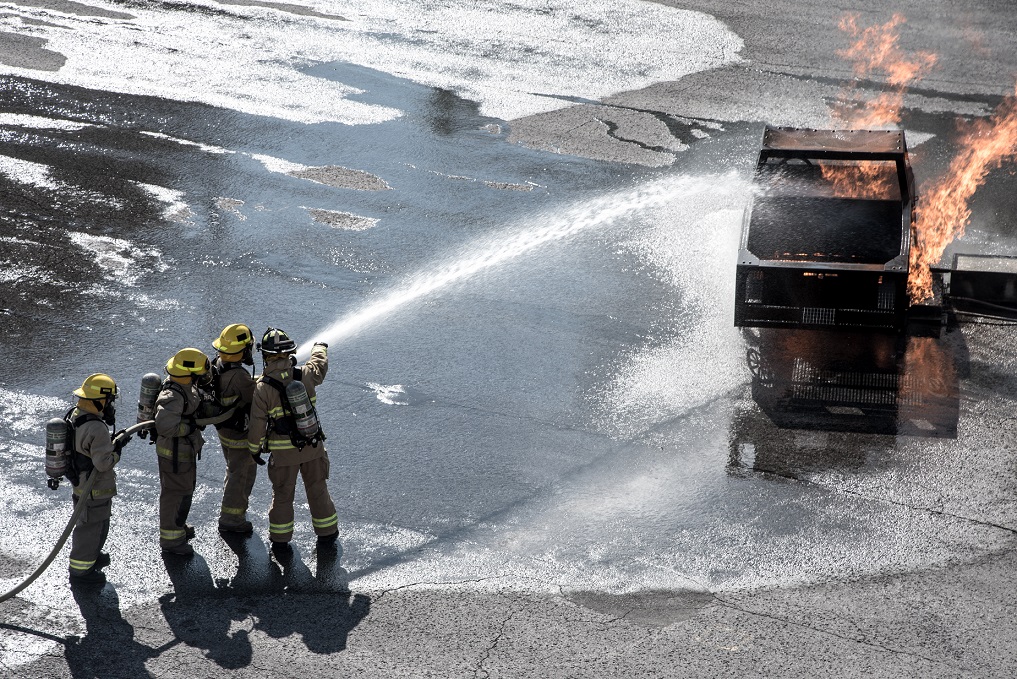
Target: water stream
[[513, 243]]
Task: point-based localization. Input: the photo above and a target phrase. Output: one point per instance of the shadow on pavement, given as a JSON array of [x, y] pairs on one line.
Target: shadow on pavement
[[277, 600], [108, 648], [198, 624], [318, 607]]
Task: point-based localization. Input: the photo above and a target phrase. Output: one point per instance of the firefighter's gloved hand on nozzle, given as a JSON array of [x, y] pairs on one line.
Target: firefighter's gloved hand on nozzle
[[120, 441]]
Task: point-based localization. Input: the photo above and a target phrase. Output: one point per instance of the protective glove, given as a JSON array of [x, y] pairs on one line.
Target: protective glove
[[120, 441], [257, 458]]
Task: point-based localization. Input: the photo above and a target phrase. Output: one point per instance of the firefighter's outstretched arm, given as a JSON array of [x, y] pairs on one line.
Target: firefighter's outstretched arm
[[317, 365]]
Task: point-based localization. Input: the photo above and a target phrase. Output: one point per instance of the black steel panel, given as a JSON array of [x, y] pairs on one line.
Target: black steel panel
[[824, 229]]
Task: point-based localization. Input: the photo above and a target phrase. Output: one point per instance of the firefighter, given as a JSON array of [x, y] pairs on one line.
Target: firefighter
[[178, 444], [273, 427], [95, 450], [234, 388]]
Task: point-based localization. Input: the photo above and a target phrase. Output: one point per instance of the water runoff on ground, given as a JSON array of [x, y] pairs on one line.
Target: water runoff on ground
[[534, 377]]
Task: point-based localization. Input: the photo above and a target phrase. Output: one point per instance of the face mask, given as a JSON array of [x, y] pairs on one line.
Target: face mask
[[109, 414]]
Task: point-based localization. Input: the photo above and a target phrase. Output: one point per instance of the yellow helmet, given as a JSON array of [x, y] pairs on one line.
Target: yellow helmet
[[96, 386], [188, 362], [233, 339]]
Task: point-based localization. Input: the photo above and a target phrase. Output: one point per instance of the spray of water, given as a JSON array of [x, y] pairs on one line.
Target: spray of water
[[518, 241]]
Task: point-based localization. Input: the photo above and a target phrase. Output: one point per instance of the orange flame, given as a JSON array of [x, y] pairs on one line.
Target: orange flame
[[866, 180], [944, 212], [876, 50]]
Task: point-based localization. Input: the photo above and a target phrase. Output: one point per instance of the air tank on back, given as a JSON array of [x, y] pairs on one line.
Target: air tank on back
[[151, 385], [57, 452], [303, 411]]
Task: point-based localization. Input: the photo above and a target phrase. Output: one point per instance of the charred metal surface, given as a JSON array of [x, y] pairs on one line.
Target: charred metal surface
[[825, 240]]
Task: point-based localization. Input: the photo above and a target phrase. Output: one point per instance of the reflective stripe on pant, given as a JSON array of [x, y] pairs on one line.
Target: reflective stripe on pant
[[241, 472], [90, 533], [175, 499], [284, 483]]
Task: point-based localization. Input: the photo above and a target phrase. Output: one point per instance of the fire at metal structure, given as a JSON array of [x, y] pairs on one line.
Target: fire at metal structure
[[822, 288], [827, 234]]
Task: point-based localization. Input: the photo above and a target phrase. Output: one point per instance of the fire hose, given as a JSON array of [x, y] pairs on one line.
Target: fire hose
[[86, 489]]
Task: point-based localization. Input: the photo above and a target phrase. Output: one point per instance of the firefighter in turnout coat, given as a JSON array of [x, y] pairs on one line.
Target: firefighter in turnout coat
[[94, 453], [273, 428], [234, 388], [178, 444]]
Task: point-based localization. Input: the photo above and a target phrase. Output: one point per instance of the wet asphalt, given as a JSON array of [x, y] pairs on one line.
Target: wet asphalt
[[552, 454]]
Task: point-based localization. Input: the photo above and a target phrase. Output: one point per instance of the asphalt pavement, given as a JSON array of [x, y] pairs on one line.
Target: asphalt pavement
[[516, 225]]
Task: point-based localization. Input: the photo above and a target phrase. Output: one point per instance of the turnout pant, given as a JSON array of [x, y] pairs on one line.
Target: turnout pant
[[284, 484], [241, 471], [175, 499], [90, 532]]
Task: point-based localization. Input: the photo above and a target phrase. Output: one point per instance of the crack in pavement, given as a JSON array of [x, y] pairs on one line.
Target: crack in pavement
[[486, 655], [843, 637], [434, 583], [930, 510], [884, 500], [612, 132]]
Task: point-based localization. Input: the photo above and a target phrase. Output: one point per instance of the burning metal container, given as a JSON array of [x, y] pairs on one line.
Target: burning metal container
[[827, 233]]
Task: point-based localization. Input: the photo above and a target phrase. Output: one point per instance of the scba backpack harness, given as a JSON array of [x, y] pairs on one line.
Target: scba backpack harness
[[240, 418], [63, 460], [300, 419]]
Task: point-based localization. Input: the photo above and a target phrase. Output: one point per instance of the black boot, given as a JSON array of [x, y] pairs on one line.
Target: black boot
[[89, 577], [328, 540], [282, 551]]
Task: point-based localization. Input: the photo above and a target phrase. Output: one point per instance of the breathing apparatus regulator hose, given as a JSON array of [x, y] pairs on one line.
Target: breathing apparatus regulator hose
[[86, 489]]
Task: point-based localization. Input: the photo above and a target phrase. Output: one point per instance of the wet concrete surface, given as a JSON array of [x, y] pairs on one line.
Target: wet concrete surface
[[552, 454]]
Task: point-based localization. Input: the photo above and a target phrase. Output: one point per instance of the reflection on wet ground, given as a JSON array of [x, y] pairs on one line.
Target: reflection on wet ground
[[822, 385]]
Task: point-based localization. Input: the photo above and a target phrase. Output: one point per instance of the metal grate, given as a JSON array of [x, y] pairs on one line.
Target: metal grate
[[855, 388], [818, 316], [886, 298]]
